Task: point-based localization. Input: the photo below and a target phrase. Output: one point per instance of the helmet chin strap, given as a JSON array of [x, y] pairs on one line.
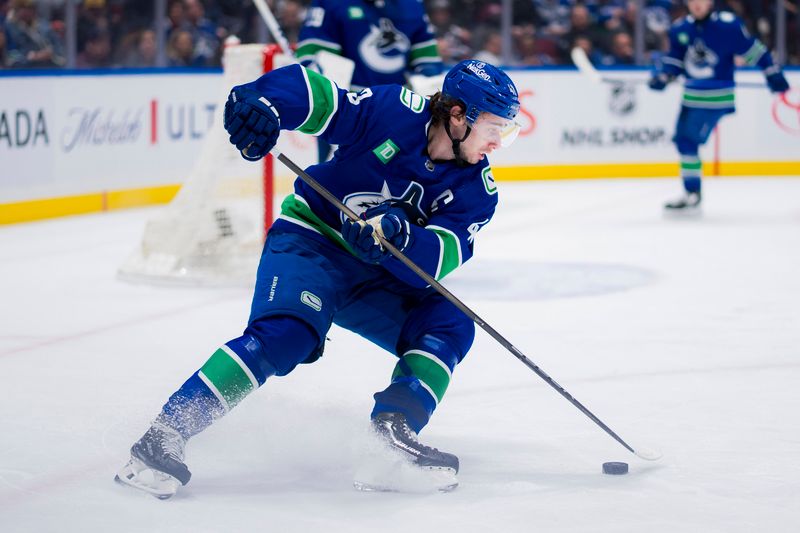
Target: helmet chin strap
[[460, 161]]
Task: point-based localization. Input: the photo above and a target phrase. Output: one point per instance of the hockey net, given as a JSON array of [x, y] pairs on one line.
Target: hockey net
[[213, 230]]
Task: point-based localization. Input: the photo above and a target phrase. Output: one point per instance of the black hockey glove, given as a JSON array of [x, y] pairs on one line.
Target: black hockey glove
[[777, 82], [252, 123], [390, 221], [660, 81]]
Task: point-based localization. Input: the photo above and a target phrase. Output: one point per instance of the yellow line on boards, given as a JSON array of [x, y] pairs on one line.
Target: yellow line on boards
[[642, 170], [30, 210]]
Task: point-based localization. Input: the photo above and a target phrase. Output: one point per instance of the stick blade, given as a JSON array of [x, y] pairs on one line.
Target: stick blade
[[648, 454], [585, 66]]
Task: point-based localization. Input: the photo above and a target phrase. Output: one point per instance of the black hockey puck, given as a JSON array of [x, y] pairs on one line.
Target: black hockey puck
[[615, 469]]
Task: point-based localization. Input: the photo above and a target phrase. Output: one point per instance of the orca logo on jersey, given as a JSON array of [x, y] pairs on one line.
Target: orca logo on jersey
[[410, 202], [700, 60], [384, 49]]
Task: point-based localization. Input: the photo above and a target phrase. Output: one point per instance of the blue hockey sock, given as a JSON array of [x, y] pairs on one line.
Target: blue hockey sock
[[691, 172], [419, 382], [235, 370]]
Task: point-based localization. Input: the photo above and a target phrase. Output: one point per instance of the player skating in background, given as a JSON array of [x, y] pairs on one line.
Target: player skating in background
[[387, 40], [415, 170], [702, 48]]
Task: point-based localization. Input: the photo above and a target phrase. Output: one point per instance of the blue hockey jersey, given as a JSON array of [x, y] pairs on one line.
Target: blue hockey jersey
[[703, 51], [382, 133], [384, 38]]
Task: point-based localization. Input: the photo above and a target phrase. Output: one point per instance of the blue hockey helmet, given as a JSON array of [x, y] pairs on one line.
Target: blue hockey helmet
[[482, 87]]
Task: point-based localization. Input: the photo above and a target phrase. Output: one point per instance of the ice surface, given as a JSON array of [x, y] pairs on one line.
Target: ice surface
[[680, 334]]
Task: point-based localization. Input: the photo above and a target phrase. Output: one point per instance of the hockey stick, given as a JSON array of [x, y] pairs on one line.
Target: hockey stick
[[336, 67], [273, 26], [644, 453], [586, 68]]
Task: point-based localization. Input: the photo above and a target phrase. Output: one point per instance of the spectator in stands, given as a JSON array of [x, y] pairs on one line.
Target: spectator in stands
[[581, 24], [92, 17], [581, 41], [207, 44], [554, 15], [453, 40], [533, 52], [291, 17], [180, 50], [491, 50], [657, 21], [96, 51], [621, 50], [176, 17], [31, 42], [3, 52], [144, 53]]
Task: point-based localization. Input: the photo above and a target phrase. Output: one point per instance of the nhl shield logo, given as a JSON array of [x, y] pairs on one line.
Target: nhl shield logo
[[622, 99]]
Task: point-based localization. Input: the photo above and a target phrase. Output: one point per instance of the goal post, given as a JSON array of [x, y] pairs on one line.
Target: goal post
[[213, 231]]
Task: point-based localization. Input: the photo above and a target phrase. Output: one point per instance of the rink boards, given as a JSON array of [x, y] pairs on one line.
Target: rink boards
[[76, 143]]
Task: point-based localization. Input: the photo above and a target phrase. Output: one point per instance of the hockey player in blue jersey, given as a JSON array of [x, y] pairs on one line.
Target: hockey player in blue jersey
[[387, 40], [702, 49], [416, 171]]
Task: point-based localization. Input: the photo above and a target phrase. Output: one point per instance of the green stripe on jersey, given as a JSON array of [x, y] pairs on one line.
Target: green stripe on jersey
[[228, 377], [755, 52], [311, 47], [450, 251], [427, 50], [323, 102], [428, 369], [691, 165], [295, 209], [726, 98]]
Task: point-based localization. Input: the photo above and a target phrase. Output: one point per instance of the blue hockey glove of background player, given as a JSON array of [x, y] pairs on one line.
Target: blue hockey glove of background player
[[252, 123], [660, 81], [777, 82], [394, 227]]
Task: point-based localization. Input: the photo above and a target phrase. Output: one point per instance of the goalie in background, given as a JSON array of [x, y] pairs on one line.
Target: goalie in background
[[416, 171], [385, 41], [703, 46]]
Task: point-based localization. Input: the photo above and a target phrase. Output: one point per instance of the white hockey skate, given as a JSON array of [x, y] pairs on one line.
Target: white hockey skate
[[688, 204], [400, 463], [156, 464]]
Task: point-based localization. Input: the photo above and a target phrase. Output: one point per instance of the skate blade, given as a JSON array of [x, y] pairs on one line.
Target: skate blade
[[139, 476], [683, 213], [368, 487], [395, 474]]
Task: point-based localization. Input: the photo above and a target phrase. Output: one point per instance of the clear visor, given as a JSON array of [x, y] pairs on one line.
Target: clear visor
[[496, 129]]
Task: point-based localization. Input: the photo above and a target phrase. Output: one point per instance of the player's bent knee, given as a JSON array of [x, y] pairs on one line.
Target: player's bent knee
[[686, 146], [459, 336], [281, 343]]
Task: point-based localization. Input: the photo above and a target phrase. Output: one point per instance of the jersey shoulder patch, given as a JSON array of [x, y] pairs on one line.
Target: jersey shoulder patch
[[488, 180], [412, 100], [727, 16]]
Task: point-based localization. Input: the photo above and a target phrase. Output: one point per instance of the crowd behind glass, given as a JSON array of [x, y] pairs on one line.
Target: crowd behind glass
[[121, 33]]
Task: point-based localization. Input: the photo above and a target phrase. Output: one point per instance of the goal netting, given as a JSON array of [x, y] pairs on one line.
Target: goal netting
[[213, 231]]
